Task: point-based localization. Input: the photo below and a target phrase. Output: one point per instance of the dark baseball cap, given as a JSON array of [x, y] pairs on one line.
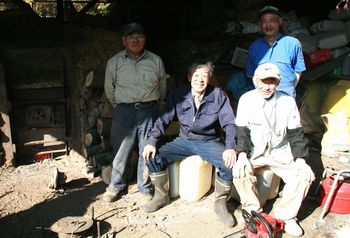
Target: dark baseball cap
[[131, 27], [269, 9]]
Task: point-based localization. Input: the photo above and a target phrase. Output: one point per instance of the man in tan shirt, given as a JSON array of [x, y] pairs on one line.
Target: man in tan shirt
[[135, 82]]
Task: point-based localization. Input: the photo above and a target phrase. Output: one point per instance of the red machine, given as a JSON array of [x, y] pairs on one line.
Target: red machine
[[261, 225]]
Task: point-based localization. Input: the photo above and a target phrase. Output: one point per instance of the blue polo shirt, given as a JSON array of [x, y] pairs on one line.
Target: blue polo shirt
[[286, 52]]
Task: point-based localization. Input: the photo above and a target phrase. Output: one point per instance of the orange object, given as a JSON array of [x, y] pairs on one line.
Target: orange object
[[317, 57], [340, 202], [41, 156]]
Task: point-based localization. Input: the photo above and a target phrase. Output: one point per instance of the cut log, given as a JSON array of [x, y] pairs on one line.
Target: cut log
[[82, 104], [92, 117], [106, 143], [95, 79], [94, 112], [88, 152], [92, 138], [100, 159], [92, 121], [106, 171], [91, 104], [86, 93], [84, 122], [103, 126], [107, 110]]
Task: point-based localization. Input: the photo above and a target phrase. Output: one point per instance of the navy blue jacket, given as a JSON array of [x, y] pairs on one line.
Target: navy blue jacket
[[214, 115]]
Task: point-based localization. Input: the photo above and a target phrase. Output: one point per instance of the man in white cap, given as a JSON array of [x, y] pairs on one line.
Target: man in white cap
[[269, 134], [277, 48], [135, 83]]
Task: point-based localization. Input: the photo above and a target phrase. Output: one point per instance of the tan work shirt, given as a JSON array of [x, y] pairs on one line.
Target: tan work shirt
[[130, 81]]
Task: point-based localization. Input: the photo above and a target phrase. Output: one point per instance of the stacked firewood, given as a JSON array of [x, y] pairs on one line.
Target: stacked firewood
[[95, 118], [96, 115]]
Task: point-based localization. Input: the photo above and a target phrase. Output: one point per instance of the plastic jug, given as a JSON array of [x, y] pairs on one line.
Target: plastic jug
[[173, 172], [194, 178]]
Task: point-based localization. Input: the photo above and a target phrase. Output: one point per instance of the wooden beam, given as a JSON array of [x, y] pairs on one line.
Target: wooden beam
[[88, 6]]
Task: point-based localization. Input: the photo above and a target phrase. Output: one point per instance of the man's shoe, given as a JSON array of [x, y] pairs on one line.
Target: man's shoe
[[110, 196], [292, 228]]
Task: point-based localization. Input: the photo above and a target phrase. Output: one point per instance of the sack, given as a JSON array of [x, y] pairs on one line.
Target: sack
[[238, 84], [337, 136]]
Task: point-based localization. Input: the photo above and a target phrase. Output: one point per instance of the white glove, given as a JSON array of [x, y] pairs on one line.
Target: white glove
[[242, 167], [305, 170]]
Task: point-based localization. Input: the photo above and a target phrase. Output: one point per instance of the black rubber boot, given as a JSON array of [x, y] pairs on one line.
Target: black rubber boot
[[222, 192], [161, 192]]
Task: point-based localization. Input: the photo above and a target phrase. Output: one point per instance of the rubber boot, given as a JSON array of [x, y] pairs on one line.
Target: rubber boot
[[222, 192], [161, 192]]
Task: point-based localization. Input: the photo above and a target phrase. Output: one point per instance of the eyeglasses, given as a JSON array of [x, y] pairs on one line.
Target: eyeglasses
[[135, 37]]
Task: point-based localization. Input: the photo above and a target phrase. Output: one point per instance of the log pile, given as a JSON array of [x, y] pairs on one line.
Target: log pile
[[96, 115], [95, 118]]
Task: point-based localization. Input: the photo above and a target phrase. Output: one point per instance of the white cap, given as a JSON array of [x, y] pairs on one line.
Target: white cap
[[267, 70]]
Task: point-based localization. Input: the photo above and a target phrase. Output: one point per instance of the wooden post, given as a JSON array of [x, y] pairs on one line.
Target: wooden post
[[7, 151]]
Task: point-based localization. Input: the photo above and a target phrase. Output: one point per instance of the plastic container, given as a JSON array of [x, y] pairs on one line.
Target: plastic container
[[194, 178], [173, 172], [267, 185], [340, 202]]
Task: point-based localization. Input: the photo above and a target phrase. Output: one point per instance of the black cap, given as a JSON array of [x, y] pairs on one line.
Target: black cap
[[132, 27], [269, 9]]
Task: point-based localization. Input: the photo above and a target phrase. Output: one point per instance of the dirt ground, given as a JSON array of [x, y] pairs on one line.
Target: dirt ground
[[28, 207]]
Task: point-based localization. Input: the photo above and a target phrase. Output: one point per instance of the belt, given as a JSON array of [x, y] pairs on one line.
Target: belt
[[139, 105]]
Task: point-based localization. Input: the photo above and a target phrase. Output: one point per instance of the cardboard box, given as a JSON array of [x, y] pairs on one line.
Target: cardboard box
[[240, 57]]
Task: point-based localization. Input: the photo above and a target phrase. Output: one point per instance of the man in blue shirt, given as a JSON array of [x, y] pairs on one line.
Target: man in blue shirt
[[203, 112], [274, 47]]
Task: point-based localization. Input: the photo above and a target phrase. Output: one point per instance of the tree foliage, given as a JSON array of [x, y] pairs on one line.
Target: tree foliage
[[343, 4]]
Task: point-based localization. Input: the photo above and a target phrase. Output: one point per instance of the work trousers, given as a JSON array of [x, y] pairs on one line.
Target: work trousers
[[294, 191], [180, 148], [130, 126]]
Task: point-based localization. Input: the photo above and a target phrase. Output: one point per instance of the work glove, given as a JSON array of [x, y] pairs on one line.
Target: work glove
[[242, 167], [305, 170]]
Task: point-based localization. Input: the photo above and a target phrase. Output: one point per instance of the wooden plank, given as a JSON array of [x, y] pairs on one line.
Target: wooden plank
[[43, 94]]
